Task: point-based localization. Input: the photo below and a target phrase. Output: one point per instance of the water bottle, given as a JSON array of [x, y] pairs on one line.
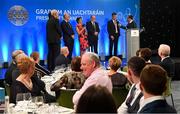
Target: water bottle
[[6, 111]]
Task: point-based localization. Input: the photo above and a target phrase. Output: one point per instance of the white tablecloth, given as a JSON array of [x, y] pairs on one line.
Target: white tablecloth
[[27, 108]]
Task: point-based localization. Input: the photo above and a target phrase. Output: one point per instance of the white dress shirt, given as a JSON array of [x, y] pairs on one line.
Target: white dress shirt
[[97, 77], [149, 100], [164, 58], [123, 108], [116, 26]]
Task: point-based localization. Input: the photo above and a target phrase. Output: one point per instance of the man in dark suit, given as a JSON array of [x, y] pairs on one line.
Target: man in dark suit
[[166, 62], [40, 71], [153, 81], [114, 33], [132, 102], [62, 60], [68, 34], [131, 23], [53, 33], [12, 67], [93, 31]]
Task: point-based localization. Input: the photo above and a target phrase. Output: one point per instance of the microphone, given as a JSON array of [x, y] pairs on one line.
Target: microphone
[[142, 29]]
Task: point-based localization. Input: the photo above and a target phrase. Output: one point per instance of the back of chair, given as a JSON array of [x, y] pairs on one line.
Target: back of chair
[[7, 88], [65, 97], [119, 94], [168, 90]]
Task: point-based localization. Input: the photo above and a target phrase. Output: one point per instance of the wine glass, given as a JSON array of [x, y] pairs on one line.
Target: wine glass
[[27, 97], [39, 100], [19, 97]]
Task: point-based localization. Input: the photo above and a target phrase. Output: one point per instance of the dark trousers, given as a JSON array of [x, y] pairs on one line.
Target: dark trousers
[[53, 52], [70, 44], [94, 45], [113, 43]]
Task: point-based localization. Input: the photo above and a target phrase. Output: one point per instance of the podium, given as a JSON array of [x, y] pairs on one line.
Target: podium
[[132, 41]]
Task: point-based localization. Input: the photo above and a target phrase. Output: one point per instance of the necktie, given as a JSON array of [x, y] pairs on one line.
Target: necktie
[[69, 24], [94, 25], [131, 96], [115, 24]]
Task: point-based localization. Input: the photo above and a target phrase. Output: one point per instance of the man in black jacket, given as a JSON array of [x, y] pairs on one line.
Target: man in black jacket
[[53, 33], [153, 81], [166, 61], [131, 23], [93, 31], [68, 34], [62, 60], [114, 33], [12, 67]]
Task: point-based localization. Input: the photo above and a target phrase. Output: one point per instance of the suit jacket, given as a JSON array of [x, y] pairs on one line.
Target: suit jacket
[[157, 106], [62, 60], [169, 65], [53, 31], [8, 74], [131, 25], [90, 29], [111, 28], [67, 30], [41, 71]]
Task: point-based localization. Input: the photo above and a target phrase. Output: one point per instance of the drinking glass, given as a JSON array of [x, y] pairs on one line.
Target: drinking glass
[[39, 100], [19, 97], [27, 97]]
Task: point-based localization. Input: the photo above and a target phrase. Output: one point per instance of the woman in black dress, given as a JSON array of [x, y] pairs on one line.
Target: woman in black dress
[[26, 82], [118, 79]]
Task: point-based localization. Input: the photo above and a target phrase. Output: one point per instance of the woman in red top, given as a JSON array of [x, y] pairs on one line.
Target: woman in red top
[[82, 34]]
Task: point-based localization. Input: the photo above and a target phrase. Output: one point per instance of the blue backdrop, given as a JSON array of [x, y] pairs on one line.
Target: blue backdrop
[[23, 23]]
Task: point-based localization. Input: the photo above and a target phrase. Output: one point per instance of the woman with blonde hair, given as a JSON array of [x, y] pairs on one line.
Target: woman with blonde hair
[[117, 79]]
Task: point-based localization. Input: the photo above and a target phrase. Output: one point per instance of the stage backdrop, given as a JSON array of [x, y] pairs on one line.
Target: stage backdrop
[[23, 23]]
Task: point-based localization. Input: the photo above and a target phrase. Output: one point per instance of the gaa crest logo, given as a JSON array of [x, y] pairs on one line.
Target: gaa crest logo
[[18, 15]]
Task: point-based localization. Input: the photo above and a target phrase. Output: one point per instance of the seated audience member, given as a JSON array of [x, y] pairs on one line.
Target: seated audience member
[[13, 66], [153, 81], [96, 99], [146, 54], [166, 62], [118, 79], [71, 80], [16, 72], [138, 52], [62, 60], [26, 82], [39, 70], [132, 102], [94, 74]]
